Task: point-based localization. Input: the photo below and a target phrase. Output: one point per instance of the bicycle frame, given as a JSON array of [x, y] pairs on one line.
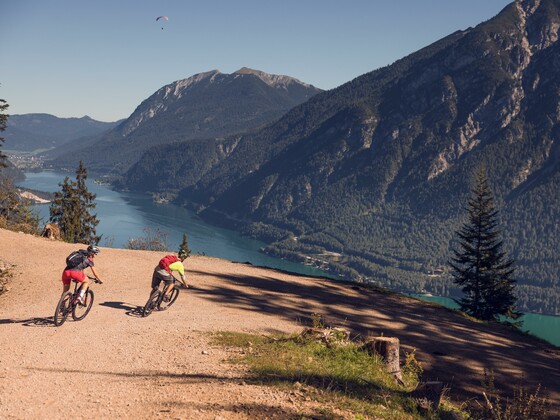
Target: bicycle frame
[[68, 304], [156, 300]]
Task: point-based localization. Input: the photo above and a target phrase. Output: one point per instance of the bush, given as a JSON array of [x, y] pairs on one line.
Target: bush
[[155, 240]]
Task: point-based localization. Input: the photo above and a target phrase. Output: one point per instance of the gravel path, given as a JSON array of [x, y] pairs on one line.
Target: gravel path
[[115, 364]]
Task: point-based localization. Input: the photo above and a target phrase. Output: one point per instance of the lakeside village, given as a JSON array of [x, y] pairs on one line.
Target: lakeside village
[[26, 161]]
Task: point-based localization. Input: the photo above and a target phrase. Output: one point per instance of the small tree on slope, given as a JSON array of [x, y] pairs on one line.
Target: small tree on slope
[[480, 267], [3, 123], [70, 210]]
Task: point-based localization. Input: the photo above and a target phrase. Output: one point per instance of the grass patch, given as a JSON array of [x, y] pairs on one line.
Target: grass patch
[[339, 374]]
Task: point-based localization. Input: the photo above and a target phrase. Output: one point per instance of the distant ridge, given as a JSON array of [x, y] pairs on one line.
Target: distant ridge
[[29, 132], [204, 106]]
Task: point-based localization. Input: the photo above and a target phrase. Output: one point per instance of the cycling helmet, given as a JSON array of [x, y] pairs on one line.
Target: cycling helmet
[[92, 249], [183, 254]]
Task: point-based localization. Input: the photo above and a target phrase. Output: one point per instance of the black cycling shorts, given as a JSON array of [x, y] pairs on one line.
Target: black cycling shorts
[[159, 276]]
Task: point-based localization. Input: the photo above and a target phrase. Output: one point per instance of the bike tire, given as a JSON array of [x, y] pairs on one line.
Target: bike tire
[[165, 305], [151, 304], [63, 309], [79, 312]]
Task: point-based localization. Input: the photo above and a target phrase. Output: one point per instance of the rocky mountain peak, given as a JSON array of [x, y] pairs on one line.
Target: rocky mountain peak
[[271, 79], [169, 94]]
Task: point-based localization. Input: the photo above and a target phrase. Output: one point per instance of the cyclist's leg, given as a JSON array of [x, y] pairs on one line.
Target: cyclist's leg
[[85, 285], [156, 280], [79, 277], [168, 288], [169, 283], [66, 280]]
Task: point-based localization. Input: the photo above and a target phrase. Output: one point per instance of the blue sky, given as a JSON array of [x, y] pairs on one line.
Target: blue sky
[[101, 58]]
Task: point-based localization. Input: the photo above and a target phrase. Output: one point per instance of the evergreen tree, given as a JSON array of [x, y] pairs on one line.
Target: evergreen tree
[[71, 210], [480, 267], [3, 124], [15, 211], [88, 221], [184, 247]]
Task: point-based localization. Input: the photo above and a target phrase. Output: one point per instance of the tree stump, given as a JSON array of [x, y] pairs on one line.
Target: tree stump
[[389, 349]]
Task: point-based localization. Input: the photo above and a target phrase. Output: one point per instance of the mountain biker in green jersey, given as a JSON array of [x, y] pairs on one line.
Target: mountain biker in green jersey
[[164, 272]]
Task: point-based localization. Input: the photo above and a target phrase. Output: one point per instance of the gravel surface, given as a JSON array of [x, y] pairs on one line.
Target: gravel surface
[[116, 364]]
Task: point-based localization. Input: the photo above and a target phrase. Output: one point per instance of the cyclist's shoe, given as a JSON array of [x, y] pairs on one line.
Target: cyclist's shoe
[[80, 301], [167, 298]]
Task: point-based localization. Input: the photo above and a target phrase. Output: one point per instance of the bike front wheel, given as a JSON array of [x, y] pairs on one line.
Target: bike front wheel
[[173, 295], [63, 308], [79, 312], [151, 304]]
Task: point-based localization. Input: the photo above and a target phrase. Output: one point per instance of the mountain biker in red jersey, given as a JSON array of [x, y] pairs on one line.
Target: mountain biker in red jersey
[[164, 272], [77, 272]]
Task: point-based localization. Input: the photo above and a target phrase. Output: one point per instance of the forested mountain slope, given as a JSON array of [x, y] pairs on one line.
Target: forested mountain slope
[[372, 178]]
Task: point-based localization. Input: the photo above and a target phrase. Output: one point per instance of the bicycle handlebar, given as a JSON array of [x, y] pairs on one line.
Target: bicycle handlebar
[[95, 279]]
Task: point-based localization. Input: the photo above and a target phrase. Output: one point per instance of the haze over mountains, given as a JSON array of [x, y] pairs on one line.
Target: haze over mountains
[[33, 132], [370, 178]]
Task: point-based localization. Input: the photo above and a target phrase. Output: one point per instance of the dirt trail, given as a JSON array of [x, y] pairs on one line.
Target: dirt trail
[[115, 364]]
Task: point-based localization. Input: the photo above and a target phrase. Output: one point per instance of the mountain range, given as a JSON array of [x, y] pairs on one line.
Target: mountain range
[[205, 106], [40, 132], [370, 179]]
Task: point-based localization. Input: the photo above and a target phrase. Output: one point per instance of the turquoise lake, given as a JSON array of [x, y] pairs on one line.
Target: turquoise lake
[[124, 216]]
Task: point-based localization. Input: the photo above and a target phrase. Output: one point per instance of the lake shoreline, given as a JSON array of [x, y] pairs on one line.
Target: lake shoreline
[[126, 215]]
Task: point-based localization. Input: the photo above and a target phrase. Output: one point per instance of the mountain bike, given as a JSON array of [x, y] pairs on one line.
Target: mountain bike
[[157, 301], [69, 304]]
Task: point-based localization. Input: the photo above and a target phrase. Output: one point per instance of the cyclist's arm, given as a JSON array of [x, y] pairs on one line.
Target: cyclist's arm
[[95, 274], [179, 268]]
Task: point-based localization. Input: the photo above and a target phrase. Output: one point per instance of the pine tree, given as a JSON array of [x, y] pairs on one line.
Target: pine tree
[[15, 211], [3, 123], [70, 210], [184, 247], [88, 221], [480, 267], [63, 210]]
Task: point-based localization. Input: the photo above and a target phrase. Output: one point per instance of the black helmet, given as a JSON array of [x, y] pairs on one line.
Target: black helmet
[[92, 249], [183, 254]]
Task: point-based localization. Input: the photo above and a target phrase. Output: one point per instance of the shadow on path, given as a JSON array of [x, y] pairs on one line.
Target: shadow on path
[[30, 322], [156, 374], [131, 310], [451, 347]]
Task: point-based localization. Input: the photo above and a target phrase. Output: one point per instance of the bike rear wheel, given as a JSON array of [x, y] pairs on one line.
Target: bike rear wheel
[[151, 304], [63, 309], [79, 312], [173, 295]]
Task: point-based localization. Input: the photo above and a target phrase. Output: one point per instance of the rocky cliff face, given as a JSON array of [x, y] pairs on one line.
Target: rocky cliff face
[[165, 97]]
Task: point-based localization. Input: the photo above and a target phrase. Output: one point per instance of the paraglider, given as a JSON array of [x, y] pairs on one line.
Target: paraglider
[[162, 18]]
